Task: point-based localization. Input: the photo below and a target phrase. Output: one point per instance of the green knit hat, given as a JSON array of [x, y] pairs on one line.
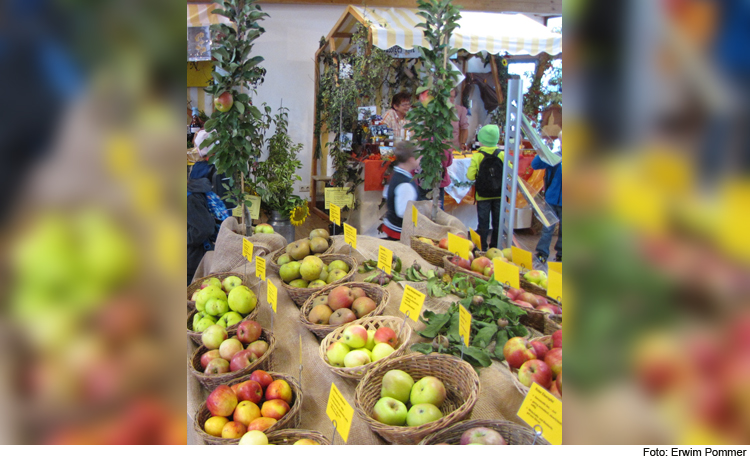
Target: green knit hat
[[489, 135]]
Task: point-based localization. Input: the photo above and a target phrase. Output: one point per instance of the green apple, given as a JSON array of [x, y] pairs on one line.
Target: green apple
[[338, 264], [290, 271], [335, 275], [397, 384], [263, 228], [242, 300], [310, 268], [323, 274], [210, 292], [301, 283], [231, 318], [213, 336], [230, 282], [365, 351], [216, 307], [211, 282], [317, 283], [381, 350], [356, 358], [336, 353], [355, 336], [421, 414], [319, 233], [390, 411], [370, 340], [203, 323], [428, 390], [508, 253], [283, 259]]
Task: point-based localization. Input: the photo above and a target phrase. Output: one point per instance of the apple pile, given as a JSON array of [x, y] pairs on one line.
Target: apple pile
[[235, 410], [315, 244], [263, 228], [256, 437], [537, 277], [482, 436], [341, 306], [359, 346], [312, 272], [225, 354], [537, 362], [426, 396], [223, 303], [532, 301]]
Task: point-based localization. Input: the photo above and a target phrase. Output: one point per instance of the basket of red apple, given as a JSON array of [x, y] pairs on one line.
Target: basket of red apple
[[284, 437], [475, 267], [261, 401], [303, 279], [538, 309], [408, 398], [353, 349], [431, 250], [221, 359], [535, 361], [226, 304], [484, 432], [332, 307], [318, 243]]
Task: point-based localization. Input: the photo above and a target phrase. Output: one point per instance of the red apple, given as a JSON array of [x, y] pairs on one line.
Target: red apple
[[480, 263], [261, 423], [443, 243], [340, 298], [222, 401], [554, 360], [248, 331], [233, 430], [540, 349], [363, 306], [546, 308], [258, 348], [535, 371], [279, 389], [528, 298], [523, 304], [513, 293], [275, 409], [386, 335], [558, 382], [541, 300], [262, 378], [249, 391], [517, 351], [557, 339], [224, 102], [208, 356], [558, 310], [554, 391], [242, 360]]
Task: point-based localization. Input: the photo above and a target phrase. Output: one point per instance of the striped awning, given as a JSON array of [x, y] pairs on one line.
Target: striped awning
[[199, 14], [496, 33]]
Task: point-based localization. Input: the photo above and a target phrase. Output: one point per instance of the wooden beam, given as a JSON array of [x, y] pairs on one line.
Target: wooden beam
[[496, 78], [342, 35]]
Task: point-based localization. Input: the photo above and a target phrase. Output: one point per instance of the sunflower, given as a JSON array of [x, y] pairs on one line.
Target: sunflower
[[299, 214], [505, 63]]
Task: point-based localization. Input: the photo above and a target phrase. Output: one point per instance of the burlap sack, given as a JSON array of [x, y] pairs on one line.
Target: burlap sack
[[443, 224], [498, 399]]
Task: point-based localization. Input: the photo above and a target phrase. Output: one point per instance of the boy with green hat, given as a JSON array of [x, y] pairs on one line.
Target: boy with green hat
[[488, 184]]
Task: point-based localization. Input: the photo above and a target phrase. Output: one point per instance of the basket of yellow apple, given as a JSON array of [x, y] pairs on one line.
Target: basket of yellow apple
[[284, 437]]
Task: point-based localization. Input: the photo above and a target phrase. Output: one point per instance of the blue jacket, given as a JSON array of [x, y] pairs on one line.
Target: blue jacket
[[552, 181]]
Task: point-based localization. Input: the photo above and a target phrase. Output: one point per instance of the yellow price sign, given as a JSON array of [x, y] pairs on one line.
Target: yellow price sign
[[555, 266], [522, 258], [414, 215], [464, 324], [247, 249], [385, 259], [545, 410], [475, 238], [554, 286], [350, 235], [340, 412], [336, 214], [260, 267], [458, 246], [271, 294], [412, 302], [506, 273], [237, 212]]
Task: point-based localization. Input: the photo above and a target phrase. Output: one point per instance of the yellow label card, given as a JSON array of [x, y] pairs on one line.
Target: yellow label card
[[340, 412], [412, 302], [260, 267], [522, 258], [253, 206], [464, 324], [458, 246], [555, 266], [385, 259], [339, 196], [350, 235], [237, 212], [475, 238], [545, 410], [336, 214], [554, 286], [271, 294], [247, 249], [506, 273], [414, 215]]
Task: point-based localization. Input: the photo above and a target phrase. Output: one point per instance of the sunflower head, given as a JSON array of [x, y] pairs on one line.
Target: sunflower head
[[299, 214]]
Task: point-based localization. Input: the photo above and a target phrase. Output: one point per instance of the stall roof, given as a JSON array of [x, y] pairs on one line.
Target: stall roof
[[497, 33], [199, 14]]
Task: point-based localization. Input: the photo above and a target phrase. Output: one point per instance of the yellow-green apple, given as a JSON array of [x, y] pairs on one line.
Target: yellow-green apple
[[336, 353], [480, 263], [254, 437], [318, 282], [358, 292], [546, 308], [283, 259], [203, 323], [320, 300], [231, 319], [355, 336], [261, 424], [263, 228], [518, 351], [397, 384], [305, 442], [381, 350], [508, 253], [489, 271], [493, 253], [222, 401], [230, 282], [290, 271], [386, 335], [299, 249], [554, 360], [319, 233], [320, 315], [262, 378], [356, 358], [513, 293], [363, 306], [540, 349], [249, 391], [535, 276], [557, 339], [208, 356], [210, 292], [242, 360], [214, 425], [246, 412], [275, 409], [229, 348], [535, 371], [213, 336], [249, 331], [421, 414], [335, 275], [310, 268], [370, 340], [211, 282], [217, 366], [342, 316], [390, 411], [233, 430], [323, 274], [558, 383], [300, 283], [338, 264], [482, 436], [279, 389], [195, 295], [366, 351], [543, 284], [318, 245], [242, 300], [340, 297], [216, 307], [428, 390], [224, 102], [258, 348]]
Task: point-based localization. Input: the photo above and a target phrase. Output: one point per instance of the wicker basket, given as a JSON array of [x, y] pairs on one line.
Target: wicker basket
[[272, 264], [433, 254], [452, 269], [231, 330], [375, 292], [552, 323], [513, 434], [461, 383], [248, 281], [289, 436], [370, 323], [547, 340], [210, 382], [300, 295], [290, 421]]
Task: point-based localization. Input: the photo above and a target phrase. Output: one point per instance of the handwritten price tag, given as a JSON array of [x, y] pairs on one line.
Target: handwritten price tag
[[350, 235], [247, 249], [506, 273], [385, 259], [522, 258], [260, 267], [475, 238], [336, 214], [464, 324], [412, 303], [458, 246], [271, 294], [554, 286], [340, 412], [414, 215], [339, 196], [542, 408]]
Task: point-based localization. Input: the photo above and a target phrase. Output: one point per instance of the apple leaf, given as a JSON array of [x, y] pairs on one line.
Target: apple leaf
[[501, 338], [435, 323], [484, 337], [518, 330], [423, 348], [477, 356]]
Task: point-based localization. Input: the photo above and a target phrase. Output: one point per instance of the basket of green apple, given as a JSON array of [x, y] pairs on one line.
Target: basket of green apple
[[408, 398], [538, 360], [353, 349], [218, 280], [285, 437], [303, 279], [263, 401], [318, 243], [226, 307], [221, 359], [484, 432], [332, 307]]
